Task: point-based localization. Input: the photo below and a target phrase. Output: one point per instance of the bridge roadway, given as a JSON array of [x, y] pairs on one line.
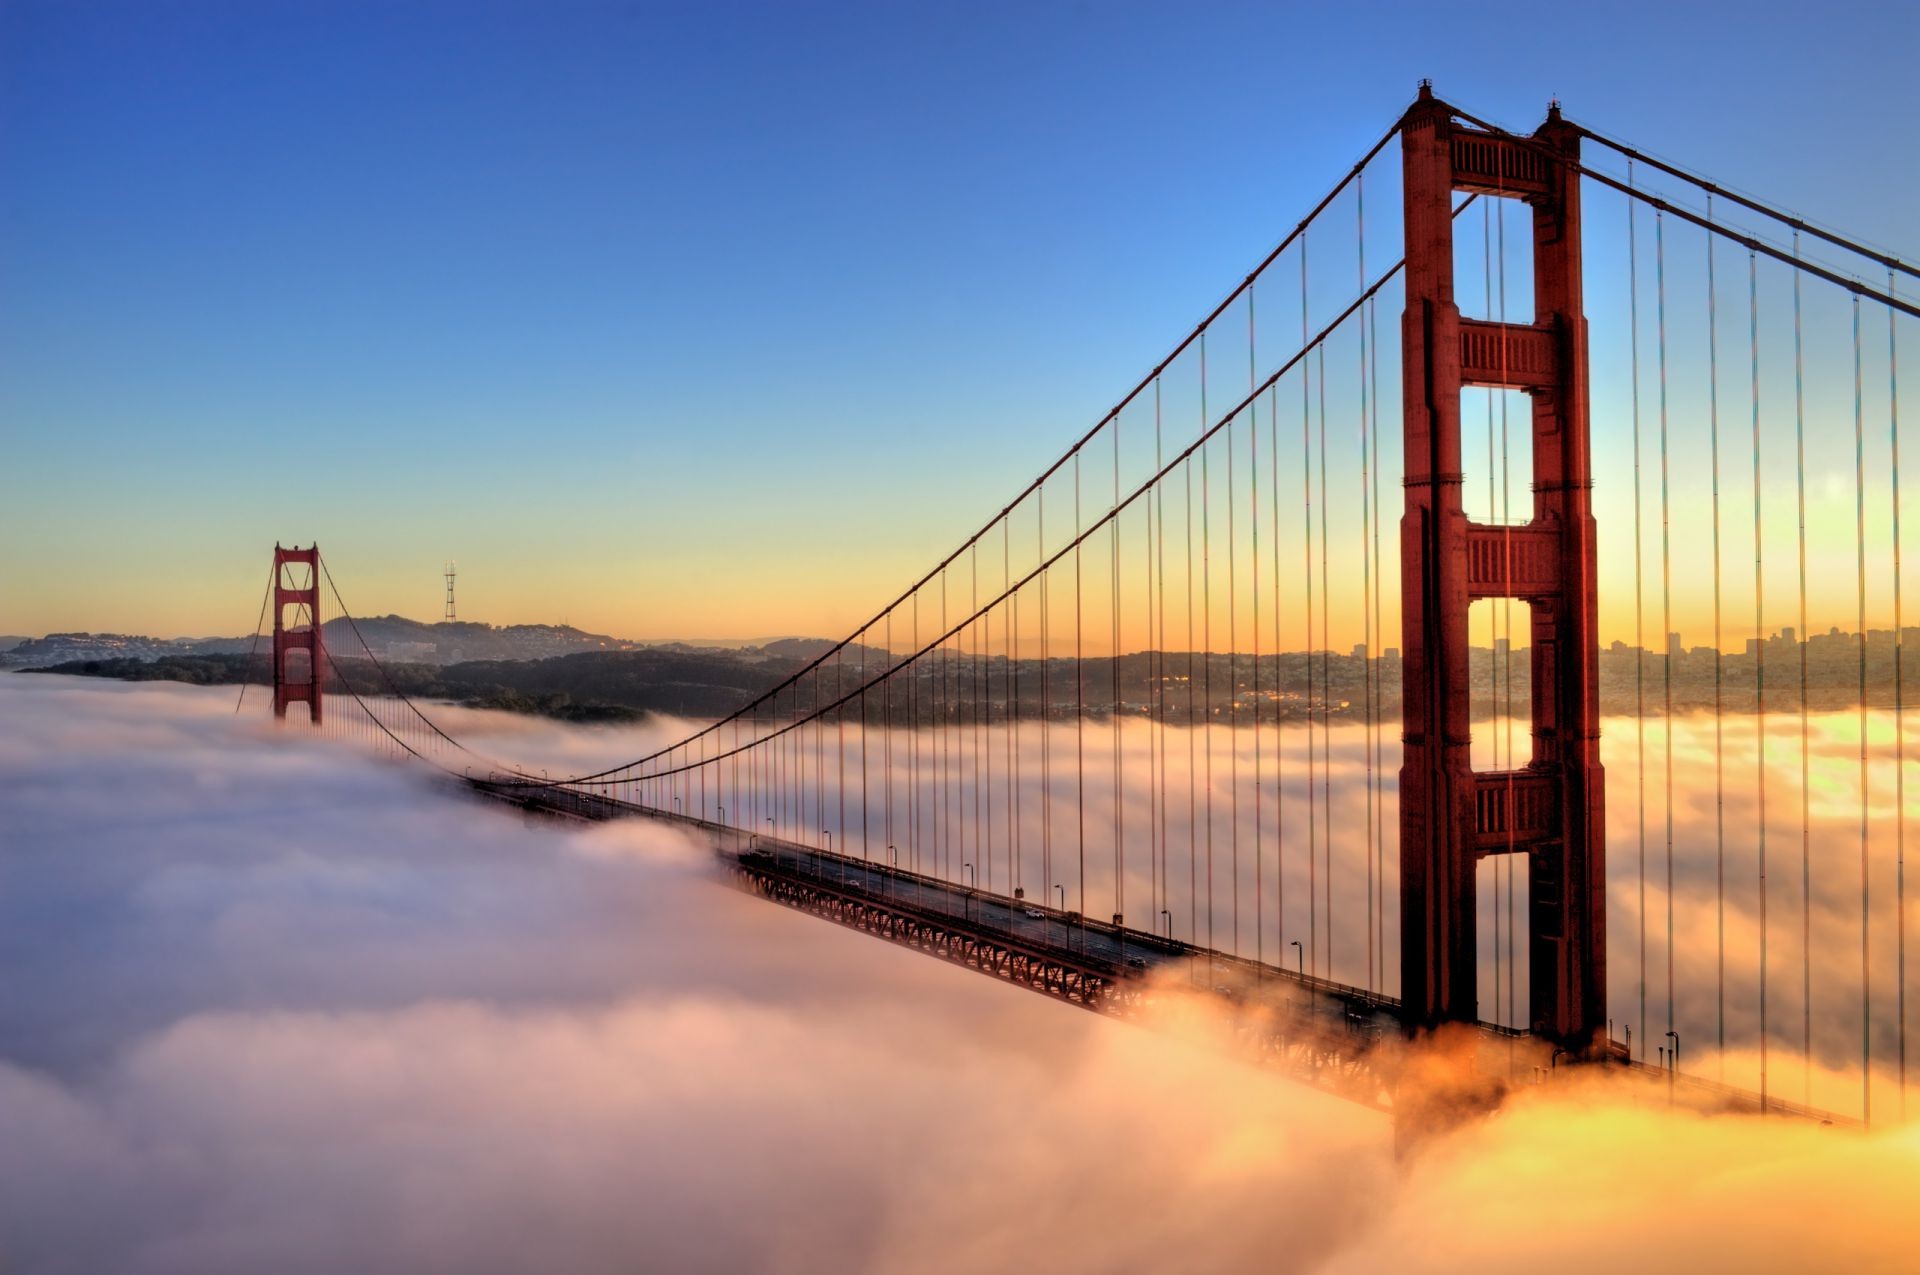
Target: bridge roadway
[[1341, 1038], [1117, 950]]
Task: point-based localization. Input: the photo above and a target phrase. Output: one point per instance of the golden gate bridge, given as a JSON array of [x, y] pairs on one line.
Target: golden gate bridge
[[1111, 736]]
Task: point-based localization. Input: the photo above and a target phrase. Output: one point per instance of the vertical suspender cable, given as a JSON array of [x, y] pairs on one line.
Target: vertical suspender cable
[[1306, 504], [1366, 581], [1719, 665], [1046, 709], [1860, 555], [1379, 615], [982, 754], [1206, 657], [1193, 858], [1279, 724], [886, 740], [1505, 866], [1079, 698], [1233, 665], [1759, 653], [1118, 717], [1487, 287], [1150, 648], [1160, 648], [1639, 594], [943, 829], [1259, 769], [840, 747], [1326, 667], [1806, 807], [913, 744], [1010, 627], [1899, 717], [1666, 576], [981, 757], [1233, 655]]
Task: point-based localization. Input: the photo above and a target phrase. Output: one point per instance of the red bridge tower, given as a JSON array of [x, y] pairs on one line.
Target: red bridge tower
[[303, 635], [1553, 809]]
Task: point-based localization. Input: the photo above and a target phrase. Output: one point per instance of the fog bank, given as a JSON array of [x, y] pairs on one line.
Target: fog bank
[[273, 1005]]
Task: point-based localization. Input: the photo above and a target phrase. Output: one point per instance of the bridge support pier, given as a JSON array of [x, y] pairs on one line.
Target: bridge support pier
[[1552, 810]]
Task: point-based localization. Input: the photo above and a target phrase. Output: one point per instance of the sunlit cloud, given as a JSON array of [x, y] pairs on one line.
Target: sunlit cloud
[[277, 1005]]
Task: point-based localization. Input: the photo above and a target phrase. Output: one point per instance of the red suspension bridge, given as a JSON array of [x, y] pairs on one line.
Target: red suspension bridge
[[1145, 717]]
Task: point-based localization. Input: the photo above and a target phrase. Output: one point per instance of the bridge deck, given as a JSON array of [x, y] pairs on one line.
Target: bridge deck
[[1341, 1038]]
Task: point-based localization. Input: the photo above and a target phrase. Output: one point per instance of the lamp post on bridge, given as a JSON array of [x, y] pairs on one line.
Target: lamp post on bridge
[[1300, 955], [967, 899]]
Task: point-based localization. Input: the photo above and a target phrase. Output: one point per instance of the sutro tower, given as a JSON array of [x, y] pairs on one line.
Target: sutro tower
[[449, 590]]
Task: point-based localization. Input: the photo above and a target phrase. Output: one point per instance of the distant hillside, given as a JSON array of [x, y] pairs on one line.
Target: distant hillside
[[58, 648], [395, 638], [457, 641], [804, 649], [593, 686]]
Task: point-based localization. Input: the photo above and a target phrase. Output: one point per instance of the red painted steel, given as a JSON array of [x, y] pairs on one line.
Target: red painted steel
[[1553, 811], [304, 635]]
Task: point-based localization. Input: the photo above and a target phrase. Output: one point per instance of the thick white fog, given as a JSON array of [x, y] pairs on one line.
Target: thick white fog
[[272, 1004]]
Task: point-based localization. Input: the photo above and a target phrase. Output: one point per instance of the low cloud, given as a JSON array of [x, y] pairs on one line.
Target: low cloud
[[273, 1005]]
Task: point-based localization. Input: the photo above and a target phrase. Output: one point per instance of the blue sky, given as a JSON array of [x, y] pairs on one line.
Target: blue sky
[[714, 320]]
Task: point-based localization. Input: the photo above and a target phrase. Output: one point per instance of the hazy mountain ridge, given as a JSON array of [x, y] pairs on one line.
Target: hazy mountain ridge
[[400, 639]]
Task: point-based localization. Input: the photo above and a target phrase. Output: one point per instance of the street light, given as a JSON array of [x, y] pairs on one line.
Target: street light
[[1169, 915], [1301, 953]]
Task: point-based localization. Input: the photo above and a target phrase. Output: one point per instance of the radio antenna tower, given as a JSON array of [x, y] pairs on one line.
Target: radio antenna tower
[[449, 591]]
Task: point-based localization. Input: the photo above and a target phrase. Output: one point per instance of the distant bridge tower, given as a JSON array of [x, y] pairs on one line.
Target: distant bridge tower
[[449, 591], [304, 634], [1552, 810]]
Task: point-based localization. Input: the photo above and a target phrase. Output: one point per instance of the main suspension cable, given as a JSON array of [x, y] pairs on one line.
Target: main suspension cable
[[1797, 224], [253, 648]]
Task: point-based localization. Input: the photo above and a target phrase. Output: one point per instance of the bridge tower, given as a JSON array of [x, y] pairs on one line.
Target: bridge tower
[[303, 635], [1553, 809]]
